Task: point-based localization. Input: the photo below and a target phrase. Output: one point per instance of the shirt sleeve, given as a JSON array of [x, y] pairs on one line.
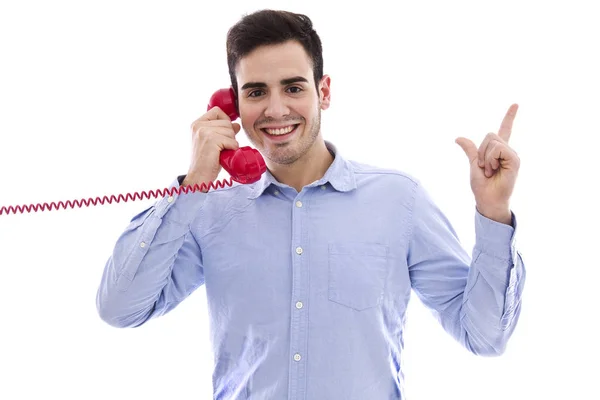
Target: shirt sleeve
[[155, 264], [476, 299]]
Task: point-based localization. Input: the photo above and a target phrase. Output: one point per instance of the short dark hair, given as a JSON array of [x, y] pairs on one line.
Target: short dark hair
[[268, 27]]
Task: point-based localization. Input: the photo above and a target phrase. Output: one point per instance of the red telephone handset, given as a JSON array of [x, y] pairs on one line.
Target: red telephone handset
[[244, 165]]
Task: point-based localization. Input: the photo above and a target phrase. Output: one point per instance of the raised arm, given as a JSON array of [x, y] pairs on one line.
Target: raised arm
[[476, 299], [155, 264]]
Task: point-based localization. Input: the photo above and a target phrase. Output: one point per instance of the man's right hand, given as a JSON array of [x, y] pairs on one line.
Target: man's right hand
[[211, 133]]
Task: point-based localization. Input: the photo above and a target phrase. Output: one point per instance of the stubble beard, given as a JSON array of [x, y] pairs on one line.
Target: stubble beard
[[288, 153]]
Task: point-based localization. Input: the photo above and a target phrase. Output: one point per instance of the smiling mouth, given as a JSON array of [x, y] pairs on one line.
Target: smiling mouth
[[280, 131]]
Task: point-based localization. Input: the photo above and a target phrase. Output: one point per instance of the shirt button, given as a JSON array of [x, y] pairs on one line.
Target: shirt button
[[297, 357], [170, 199], [299, 305], [298, 203], [276, 192], [299, 250], [323, 187], [143, 244]]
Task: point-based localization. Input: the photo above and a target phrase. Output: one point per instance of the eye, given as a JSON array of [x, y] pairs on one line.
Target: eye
[[297, 89], [252, 94]]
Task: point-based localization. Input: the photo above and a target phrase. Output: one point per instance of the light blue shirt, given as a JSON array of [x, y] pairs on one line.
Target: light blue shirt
[[307, 292]]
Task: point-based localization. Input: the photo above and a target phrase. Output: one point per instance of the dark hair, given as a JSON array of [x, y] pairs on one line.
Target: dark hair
[[267, 27]]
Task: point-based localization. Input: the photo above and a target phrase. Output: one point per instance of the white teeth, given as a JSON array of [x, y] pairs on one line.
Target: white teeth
[[280, 131]]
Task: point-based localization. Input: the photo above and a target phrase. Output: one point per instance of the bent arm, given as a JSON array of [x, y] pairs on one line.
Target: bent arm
[[477, 300], [155, 264]]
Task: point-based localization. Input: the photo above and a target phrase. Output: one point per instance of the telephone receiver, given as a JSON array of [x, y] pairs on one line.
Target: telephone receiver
[[244, 165]]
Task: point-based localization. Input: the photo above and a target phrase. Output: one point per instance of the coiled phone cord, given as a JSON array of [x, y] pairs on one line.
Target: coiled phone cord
[[110, 199]]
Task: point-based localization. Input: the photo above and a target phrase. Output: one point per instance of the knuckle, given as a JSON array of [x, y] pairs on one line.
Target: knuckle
[[203, 140], [198, 130]]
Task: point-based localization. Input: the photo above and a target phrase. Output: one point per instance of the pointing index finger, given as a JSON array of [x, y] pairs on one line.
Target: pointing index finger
[[507, 122]]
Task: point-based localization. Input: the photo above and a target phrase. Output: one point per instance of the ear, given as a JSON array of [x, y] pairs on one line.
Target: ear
[[325, 92]]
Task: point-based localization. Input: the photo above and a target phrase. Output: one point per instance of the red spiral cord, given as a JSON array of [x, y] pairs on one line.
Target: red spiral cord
[[125, 198]]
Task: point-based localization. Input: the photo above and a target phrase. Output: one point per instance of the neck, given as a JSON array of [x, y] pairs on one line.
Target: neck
[[307, 169]]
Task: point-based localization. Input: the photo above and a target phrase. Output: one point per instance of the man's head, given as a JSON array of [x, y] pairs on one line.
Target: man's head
[[276, 68]]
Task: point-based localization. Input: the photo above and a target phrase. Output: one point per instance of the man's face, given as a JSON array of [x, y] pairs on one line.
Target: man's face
[[279, 105]]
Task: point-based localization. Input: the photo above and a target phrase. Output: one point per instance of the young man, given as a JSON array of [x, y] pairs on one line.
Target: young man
[[308, 271]]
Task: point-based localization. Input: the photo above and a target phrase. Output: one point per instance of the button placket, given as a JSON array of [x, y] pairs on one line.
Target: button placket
[[299, 292]]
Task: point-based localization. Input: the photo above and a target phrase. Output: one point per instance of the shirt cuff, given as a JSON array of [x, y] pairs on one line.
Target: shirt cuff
[[495, 238]]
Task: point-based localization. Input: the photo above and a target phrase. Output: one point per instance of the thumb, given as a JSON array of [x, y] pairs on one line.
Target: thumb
[[236, 127], [468, 147]]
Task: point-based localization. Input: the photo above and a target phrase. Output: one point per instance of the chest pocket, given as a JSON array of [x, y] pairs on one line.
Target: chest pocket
[[357, 274]]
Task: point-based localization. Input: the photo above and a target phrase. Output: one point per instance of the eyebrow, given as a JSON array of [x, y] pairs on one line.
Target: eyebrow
[[283, 82]]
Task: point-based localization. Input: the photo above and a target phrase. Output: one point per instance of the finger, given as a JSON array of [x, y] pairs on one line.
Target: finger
[[507, 123], [221, 131], [492, 157], [209, 119], [500, 155], [468, 147], [216, 113], [201, 124], [483, 148], [236, 127], [229, 144], [213, 114]]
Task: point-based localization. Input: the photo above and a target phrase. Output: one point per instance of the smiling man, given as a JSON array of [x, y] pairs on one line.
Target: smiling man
[[308, 272]]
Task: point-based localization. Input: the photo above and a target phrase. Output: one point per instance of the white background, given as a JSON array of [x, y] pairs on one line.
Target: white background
[[96, 98]]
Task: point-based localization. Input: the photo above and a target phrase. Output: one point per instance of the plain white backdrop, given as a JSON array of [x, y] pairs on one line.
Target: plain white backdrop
[[96, 98]]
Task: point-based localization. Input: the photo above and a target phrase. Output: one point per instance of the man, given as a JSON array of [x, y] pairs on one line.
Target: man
[[308, 271]]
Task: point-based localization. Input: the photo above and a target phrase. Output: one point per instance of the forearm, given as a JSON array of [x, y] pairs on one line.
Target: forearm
[[132, 288], [491, 301]]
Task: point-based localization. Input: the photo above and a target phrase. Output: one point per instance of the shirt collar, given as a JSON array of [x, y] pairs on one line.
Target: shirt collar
[[340, 175]]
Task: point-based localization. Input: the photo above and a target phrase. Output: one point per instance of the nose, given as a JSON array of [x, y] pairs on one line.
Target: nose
[[276, 106]]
